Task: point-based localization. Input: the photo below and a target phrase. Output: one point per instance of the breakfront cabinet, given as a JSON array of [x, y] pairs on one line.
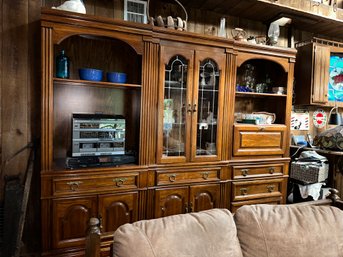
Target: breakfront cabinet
[[186, 103]]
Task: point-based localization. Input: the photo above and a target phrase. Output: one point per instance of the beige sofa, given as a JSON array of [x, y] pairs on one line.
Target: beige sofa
[[299, 230]]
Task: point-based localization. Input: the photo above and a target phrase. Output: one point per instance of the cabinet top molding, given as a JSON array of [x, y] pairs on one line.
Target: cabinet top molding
[[68, 23]]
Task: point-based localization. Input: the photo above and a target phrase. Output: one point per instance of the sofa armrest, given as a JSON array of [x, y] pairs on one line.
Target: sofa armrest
[[332, 200]]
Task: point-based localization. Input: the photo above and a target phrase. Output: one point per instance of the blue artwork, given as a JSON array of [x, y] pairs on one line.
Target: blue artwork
[[336, 78]]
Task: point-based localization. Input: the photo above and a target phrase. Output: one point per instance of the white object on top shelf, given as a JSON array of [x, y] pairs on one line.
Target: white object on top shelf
[[72, 6]]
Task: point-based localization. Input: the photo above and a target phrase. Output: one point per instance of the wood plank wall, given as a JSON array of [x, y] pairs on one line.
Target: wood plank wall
[[20, 76]]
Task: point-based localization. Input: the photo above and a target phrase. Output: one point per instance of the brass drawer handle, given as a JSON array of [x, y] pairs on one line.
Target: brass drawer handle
[[244, 172], [205, 175], [244, 191], [271, 188], [172, 177], [262, 128], [271, 170], [119, 181], [74, 185]]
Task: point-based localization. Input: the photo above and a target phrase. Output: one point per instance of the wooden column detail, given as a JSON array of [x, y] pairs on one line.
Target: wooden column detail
[[229, 106], [47, 103], [149, 104]]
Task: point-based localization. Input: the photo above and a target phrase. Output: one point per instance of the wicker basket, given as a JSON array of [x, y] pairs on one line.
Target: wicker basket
[[309, 172], [169, 22]]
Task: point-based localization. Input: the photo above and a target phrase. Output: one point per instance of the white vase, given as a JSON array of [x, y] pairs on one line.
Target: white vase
[[222, 29]]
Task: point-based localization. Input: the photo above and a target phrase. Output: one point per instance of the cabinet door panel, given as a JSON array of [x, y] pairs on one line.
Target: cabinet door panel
[[171, 201], [70, 219], [252, 140], [116, 210], [174, 104], [204, 197], [207, 105], [321, 74]]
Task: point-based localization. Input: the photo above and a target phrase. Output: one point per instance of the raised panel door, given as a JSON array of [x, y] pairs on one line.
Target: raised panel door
[[207, 105], [171, 201], [204, 197], [321, 74], [175, 109], [116, 210], [70, 220]]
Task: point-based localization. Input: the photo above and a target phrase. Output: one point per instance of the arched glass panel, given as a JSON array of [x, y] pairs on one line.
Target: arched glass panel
[[174, 110]]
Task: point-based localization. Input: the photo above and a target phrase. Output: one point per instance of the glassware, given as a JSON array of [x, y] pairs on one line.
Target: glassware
[[249, 78], [62, 66]]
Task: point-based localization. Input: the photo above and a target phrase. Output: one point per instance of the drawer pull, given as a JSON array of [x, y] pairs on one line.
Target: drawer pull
[[74, 185], [262, 128], [271, 170], [244, 191], [271, 188], [119, 181], [244, 172], [172, 177], [205, 175]]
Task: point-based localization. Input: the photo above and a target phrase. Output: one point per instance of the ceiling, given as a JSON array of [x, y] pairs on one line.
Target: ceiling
[[266, 11]]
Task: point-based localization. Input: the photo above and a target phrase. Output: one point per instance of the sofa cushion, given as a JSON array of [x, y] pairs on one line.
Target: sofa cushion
[[290, 230], [210, 233]]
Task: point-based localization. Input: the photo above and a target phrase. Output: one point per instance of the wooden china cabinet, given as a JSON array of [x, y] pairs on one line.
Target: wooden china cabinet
[[180, 105]]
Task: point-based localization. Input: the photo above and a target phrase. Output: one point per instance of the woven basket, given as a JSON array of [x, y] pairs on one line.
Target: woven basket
[[169, 22]]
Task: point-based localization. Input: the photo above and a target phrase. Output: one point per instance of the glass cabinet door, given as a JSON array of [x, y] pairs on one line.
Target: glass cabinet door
[[175, 107], [207, 104]]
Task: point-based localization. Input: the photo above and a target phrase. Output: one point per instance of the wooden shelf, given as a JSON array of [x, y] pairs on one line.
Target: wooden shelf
[[73, 82], [322, 19], [253, 94]]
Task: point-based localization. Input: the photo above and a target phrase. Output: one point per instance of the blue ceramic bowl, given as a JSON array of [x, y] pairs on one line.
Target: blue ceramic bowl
[[90, 74], [116, 77]]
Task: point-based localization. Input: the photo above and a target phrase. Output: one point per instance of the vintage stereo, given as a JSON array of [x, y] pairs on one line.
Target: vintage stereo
[[98, 140], [97, 135]]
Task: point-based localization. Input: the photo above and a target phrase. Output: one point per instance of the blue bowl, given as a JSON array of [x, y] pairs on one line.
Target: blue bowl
[[116, 77], [90, 74]]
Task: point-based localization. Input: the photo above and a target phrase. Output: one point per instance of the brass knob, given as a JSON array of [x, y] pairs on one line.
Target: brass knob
[[189, 109], [194, 108], [119, 181], [172, 177], [244, 172], [271, 170], [205, 175], [244, 191], [74, 185], [271, 188]]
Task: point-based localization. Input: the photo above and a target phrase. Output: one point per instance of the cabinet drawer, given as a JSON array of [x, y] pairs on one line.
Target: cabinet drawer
[[256, 189], [178, 177], [96, 184], [271, 200], [259, 140], [254, 171]]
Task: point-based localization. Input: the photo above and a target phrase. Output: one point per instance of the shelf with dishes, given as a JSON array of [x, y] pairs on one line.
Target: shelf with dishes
[[255, 94], [78, 82]]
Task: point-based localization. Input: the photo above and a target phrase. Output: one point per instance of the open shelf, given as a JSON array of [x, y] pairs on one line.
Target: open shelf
[[74, 82], [252, 94]]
